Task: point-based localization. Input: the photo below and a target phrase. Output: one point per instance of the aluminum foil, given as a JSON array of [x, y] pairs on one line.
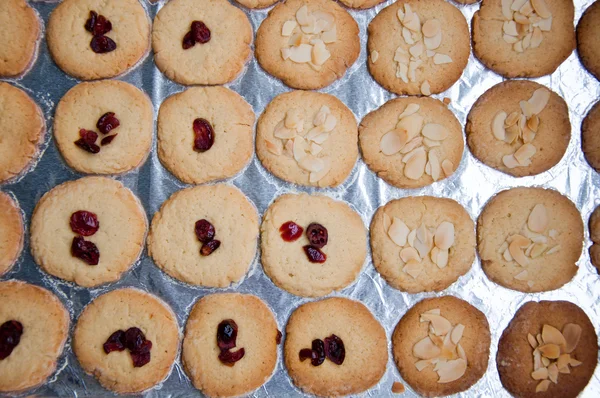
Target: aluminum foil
[[472, 185]]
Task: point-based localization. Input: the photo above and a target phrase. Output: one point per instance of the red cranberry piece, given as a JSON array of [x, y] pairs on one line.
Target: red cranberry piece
[[205, 231], [209, 247], [227, 334], [108, 139], [229, 358], [278, 338], [318, 352], [102, 26], [188, 40], [141, 356], [85, 251], [306, 353], [116, 342], [84, 223], [107, 122], [10, 337], [290, 231], [334, 349], [317, 235], [134, 338], [204, 135], [314, 254], [102, 44], [91, 22], [200, 32], [87, 142]]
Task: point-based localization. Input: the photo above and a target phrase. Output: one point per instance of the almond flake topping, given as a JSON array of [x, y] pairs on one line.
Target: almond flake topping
[[525, 20]]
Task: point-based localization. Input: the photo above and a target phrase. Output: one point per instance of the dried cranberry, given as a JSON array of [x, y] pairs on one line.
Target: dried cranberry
[[134, 338], [116, 342], [205, 232], [200, 32], [84, 223], [229, 358], [334, 349], [141, 356], [227, 334], [318, 348], [188, 40], [107, 122], [102, 26], [84, 250], [209, 247], [314, 254], [317, 235], [10, 337], [204, 135], [278, 338], [102, 44], [108, 139], [306, 353], [87, 142], [290, 231], [91, 22]]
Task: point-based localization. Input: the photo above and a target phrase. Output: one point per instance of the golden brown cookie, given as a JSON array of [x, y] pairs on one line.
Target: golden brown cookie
[[20, 32], [361, 4], [257, 3], [588, 31], [11, 232], [594, 226], [590, 137]]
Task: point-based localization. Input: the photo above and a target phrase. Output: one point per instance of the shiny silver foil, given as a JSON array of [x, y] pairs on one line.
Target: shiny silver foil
[[472, 185]]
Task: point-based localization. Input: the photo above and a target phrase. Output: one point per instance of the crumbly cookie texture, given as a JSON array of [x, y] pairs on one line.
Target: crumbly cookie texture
[[529, 239], [590, 137], [120, 310], [418, 47], [523, 38], [411, 142], [307, 44], [364, 342], [594, 226], [20, 30], [11, 232], [588, 31], [519, 127], [441, 346], [257, 334], [45, 323], [307, 138], [422, 244], [257, 3], [549, 349]]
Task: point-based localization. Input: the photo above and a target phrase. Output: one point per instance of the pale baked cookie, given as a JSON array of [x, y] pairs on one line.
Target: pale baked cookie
[[311, 244], [22, 129], [590, 137], [523, 38], [205, 235], [422, 243], [206, 43], [257, 3], [39, 323], [549, 349], [307, 138], [349, 345], [595, 237], [519, 127], [119, 38], [441, 346], [205, 134], [109, 347], [119, 115], [418, 46], [20, 32], [411, 142], [588, 31], [529, 239], [11, 232], [230, 344], [308, 44], [88, 231], [361, 4]]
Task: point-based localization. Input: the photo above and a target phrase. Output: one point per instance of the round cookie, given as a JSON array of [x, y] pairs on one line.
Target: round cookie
[[444, 328], [405, 61], [512, 49], [20, 134], [218, 61], [361, 4], [588, 31], [363, 339], [44, 324], [595, 237], [119, 238], [123, 309], [529, 239], [287, 262], [539, 139], [84, 105], [421, 129], [307, 138], [287, 54], [257, 335], [20, 32], [533, 321], [176, 248], [257, 3], [446, 252], [590, 137], [11, 232], [231, 119]]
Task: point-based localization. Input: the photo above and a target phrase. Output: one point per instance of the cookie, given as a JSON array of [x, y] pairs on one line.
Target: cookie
[[40, 323], [307, 138], [109, 323], [418, 47], [360, 4], [595, 237], [441, 346], [411, 142], [422, 243], [119, 38], [11, 232], [88, 231], [590, 137], [312, 245], [21, 131], [257, 3], [308, 44], [205, 235], [20, 31], [519, 127], [351, 335], [225, 36], [553, 341], [588, 31], [523, 38], [529, 239], [221, 372], [205, 134], [89, 106]]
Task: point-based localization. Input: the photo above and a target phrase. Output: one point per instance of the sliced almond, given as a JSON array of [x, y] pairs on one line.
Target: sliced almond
[[539, 100], [413, 268], [425, 88], [321, 116], [300, 148], [545, 24], [402, 72], [431, 143], [314, 133], [517, 253], [533, 123], [415, 166], [532, 341], [309, 27], [412, 153], [541, 8], [506, 255], [539, 374], [444, 235], [457, 333], [387, 222], [553, 250], [412, 124], [293, 119], [374, 56], [425, 349], [434, 163], [276, 148], [575, 363], [407, 36], [553, 373], [440, 59], [441, 326], [447, 167], [524, 153], [498, 123], [411, 238], [311, 163], [393, 141], [522, 276], [537, 250], [520, 18], [422, 364], [526, 108], [416, 50], [330, 123], [301, 54], [539, 339], [288, 28], [409, 110], [452, 370], [545, 362], [527, 9], [507, 12], [538, 219], [536, 38], [431, 27], [413, 23], [282, 132], [320, 54], [433, 43], [442, 258], [412, 69], [566, 370], [537, 359], [321, 138], [512, 133], [318, 176], [435, 131], [329, 36], [563, 361], [398, 232], [527, 39], [461, 352], [528, 136], [518, 46], [409, 253], [510, 39], [551, 351], [552, 335], [510, 161], [288, 148], [571, 333], [542, 386], [512, 119], [517, 4], [510, 28], [433, 254]]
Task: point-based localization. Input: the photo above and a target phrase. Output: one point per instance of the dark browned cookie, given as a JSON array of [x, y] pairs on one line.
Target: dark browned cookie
[[588, 32], [590, 137]]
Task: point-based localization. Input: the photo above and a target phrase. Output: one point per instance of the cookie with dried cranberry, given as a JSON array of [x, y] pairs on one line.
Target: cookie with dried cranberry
[[11, 232], [590, 137], [549, 349], [230, 344], [119, 115], [588, 31], [34, 326], [128, 339], [334, 347], [205, 134], [20, 30], [88, 231], [97, 39]]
